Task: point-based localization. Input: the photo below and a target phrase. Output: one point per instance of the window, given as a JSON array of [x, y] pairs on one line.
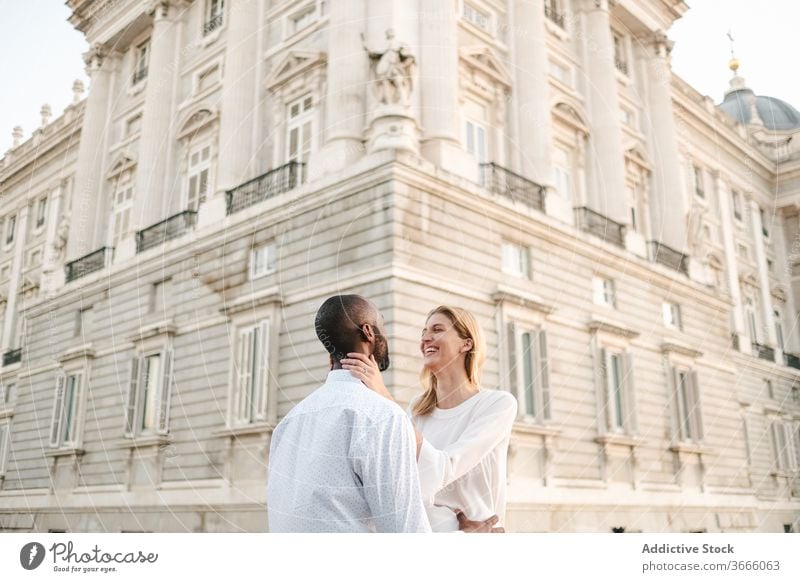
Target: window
[[141, 59], [616, 368], [208, 78], [133, 125], [262, 260], [477, 17], [620, 54], [307, 16], [604, 292], [300, 129], [687, 399], [529, 371], [783, 456], [750, 314], [64, 423], [699, 185], [627, 117], [770, 265], [122, 208], [8, 394], [764, 227], [214, 12], [82, 321], [672, 315], [554, 12], [148, 399], [560, 72], [562, 171], [779, 330], [11, 225], [737, 205], [250, 395], [159, 293], [769, 389], [475, 138], [5, 437], [516, 260], [41, 212], [632, 201], [743, 252], [198, 177]]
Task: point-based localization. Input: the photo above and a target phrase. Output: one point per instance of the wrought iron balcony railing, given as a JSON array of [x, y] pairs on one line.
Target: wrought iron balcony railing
[[274, 182], [763, 352], [94, 261], [159, 233], [792, 360], [12, 356], [669, 257], [622, 66], [555, 16], [212, 24], [506, 183], [601, 226]]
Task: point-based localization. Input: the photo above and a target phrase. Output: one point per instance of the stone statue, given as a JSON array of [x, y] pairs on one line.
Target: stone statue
[[695, 233], [62, 232], [393, 71]]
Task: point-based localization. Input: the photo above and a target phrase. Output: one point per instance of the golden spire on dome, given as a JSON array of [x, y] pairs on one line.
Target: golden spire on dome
[[733, 64]]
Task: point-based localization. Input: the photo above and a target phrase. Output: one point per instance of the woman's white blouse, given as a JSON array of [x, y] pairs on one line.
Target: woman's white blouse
[[462, 461]]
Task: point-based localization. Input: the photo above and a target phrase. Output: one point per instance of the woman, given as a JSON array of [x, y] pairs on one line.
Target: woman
[[462, 431]]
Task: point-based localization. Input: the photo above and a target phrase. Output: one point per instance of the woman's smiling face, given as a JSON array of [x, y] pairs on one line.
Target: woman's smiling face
[[440, 344]]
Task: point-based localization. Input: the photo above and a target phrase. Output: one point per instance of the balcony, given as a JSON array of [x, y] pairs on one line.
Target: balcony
[[600, 226], [764, 352], [212, 24], [12, 356], [669, 257], [792, 361], [554, 16], [274, 182], [622, 66], [90, 263], [501, 181], [161, 232]]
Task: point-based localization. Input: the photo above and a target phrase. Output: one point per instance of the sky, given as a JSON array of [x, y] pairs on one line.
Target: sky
[[40, 54]]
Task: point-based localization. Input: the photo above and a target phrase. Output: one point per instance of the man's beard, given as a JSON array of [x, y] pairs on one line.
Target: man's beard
[[381, 353]]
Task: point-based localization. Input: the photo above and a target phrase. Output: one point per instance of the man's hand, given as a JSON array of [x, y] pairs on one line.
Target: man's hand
[[487, 526]]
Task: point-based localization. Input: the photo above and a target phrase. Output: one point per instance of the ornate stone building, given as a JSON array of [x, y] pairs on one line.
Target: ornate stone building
[[629, 247]]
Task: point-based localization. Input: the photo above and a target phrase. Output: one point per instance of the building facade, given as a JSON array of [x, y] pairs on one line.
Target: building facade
[[630, 248]]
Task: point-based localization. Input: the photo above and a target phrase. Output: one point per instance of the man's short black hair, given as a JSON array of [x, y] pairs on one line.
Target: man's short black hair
[[339, 320]]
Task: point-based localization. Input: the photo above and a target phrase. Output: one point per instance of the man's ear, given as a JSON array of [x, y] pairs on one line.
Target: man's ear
[[368, 332]]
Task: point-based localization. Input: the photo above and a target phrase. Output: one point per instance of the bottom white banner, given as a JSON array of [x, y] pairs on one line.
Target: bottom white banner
[[400, 557]]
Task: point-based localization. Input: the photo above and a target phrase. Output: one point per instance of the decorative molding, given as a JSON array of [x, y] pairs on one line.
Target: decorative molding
[[79, 352], [521, 298], [293, 64], [268, 296], [671, 345], [599, 324], [149, 331]]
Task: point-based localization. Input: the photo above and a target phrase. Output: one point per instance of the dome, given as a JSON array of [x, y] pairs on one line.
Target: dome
[[776, 115]]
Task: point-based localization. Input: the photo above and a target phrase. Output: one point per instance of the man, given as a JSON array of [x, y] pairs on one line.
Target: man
[[344, 459]]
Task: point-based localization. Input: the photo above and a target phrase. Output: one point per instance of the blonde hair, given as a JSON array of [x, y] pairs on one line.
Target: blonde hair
[[467, 327]]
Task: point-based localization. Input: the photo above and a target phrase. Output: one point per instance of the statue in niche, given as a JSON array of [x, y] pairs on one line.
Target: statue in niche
[[62, 232], [392, 72], [695, 233]]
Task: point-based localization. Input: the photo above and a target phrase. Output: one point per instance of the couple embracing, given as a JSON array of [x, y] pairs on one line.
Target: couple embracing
[[349, 459]]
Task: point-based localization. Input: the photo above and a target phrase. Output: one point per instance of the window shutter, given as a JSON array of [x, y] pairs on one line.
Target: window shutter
[[544, 366], [631, 417], [675, 420], [696, 414], [262, 359], [244, 392], [776, 457], [166, 394], [58, 415], [511, 340], [601, 387], [131, 398]]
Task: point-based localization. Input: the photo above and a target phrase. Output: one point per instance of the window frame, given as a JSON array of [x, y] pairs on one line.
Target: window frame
[[5, 445], [698, 176], [41, 213], [257, 391], [305, 117], [196, 172], [270, 265], [688, 424], [600, 291], [135, 408], [479, 8], [523, 256], [141, 62], [10, 229], [57, 439], [529, 374], [123, 182], [672, 314]]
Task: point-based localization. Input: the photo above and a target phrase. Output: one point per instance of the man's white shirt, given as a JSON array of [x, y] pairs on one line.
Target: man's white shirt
[[344, 460]]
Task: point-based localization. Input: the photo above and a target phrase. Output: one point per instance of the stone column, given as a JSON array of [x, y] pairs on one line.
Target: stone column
[[731, 262], [10, 321], [347, 79], [607, 196], [531, 92], [91, 151], [785, 277], [440, 112], [155, 142], [52, 274], [667, 204], [763, 276], [237, 103]]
